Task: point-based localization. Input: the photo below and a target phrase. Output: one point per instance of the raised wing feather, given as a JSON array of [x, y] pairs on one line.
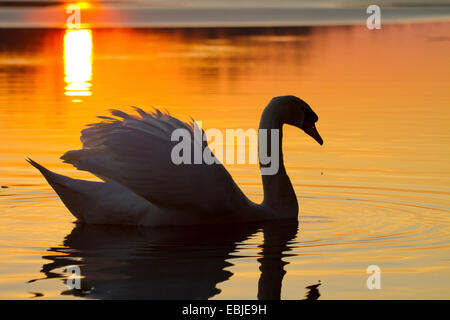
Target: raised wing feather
[[136, 152]]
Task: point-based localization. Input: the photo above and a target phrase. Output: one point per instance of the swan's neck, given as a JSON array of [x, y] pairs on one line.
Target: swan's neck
[[279, 195]]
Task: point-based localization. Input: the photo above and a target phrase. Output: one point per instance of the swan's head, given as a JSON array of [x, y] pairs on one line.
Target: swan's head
[[298, 113]]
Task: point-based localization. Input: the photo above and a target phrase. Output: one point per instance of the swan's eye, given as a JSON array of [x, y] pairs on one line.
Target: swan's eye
[[311, 118]]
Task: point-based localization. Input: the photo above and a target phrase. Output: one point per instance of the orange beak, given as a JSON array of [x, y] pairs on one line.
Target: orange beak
[[312, 131]]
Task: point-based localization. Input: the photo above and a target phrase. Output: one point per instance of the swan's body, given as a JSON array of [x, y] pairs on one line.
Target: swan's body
[[144, 187]]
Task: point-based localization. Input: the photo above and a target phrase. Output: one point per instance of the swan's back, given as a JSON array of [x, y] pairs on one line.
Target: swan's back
[[136, 152]]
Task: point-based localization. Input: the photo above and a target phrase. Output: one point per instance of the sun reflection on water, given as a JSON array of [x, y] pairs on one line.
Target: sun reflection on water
[[376, 193], [78, 62]]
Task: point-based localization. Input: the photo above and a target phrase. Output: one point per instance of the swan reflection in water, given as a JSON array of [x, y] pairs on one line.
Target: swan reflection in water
[[119, 262]]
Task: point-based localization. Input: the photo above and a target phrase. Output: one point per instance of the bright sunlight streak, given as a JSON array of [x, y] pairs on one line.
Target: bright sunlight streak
[[78, 62]]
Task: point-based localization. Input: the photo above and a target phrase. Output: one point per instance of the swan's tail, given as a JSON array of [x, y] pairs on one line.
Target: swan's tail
[[55, 180], [99, 202], [65, 187], [50, 176]]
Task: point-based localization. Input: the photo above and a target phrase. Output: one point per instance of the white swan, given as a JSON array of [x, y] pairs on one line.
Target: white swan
[[144, 187]]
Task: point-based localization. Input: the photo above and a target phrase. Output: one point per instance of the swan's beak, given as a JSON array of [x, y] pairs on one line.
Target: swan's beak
[[312, 131]]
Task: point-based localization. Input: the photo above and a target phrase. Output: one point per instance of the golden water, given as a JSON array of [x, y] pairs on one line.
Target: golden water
[[377, 192]]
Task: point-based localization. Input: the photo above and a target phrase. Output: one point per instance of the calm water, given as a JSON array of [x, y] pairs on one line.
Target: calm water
[[377, 192]]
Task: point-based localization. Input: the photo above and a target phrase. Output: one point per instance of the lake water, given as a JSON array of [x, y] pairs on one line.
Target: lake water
[[377, 192]]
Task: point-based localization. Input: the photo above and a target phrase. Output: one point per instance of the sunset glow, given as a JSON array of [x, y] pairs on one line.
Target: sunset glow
[[78, 62], [81, 101]]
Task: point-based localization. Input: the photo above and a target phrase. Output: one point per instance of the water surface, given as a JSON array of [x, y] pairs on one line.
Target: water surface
[[377, 192]]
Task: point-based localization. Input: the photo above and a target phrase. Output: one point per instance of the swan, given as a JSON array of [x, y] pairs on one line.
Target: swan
[[142, 186]]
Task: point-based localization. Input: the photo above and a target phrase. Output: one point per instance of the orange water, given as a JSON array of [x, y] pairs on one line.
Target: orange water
[[377, 192]]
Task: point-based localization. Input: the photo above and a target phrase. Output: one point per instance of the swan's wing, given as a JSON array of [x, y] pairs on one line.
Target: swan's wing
[[136, 152]]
